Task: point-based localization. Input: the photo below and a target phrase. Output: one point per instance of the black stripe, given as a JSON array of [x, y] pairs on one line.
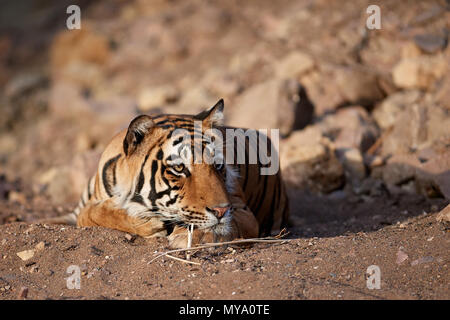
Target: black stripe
[[107, 165], [89, 189], [152, 194], [172, 201], [247, 167], [160, 154], [138, 198], [262, 197], [179, 140], [169, 226], [267, 224], [141, 179]]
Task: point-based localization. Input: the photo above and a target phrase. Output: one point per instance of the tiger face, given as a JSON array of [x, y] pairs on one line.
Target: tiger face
[[178, 171]]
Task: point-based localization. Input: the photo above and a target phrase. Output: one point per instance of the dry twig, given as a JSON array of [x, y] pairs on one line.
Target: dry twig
[[190, 231], [275, 239], [181, 260]]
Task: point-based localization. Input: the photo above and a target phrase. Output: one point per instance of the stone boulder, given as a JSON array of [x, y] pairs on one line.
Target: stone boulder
[[350, 127], [420, 72], [358, 85], [386, 113], [433, 176], [293, 65], [65, 184], [418, 126], [308, 162], [275, 104]]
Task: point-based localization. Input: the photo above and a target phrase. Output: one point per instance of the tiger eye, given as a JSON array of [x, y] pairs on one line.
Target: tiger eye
[[178, 167]]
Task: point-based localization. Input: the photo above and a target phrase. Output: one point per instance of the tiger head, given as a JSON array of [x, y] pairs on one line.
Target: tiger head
[[169, 179]]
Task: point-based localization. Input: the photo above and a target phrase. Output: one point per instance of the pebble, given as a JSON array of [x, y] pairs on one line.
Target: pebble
[[401, 256], [26, 254], [40, 246], [23, 293]]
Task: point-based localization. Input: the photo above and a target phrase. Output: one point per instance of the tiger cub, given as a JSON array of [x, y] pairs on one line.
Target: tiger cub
[[150, 183]]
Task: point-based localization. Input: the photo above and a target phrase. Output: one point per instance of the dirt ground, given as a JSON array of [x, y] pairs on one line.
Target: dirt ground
[[326, 257], [64, 94]]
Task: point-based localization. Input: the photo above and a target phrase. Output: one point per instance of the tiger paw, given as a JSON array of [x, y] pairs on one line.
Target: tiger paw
[[178, 239]]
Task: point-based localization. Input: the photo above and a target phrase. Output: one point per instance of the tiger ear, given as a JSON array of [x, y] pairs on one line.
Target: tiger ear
[[137, 130], [212, 116]]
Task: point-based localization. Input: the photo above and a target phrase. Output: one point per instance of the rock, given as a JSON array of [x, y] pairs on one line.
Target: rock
[[23, 293], [420, 72], [78, 45], [251, 109], [442, 96], [433, 176], [428, 14], [40, 246], [401, 256], [353, 163], [281, 104], [25, 98], [410, 50], [19, 197], [308, 162], [400, 169], [419, 126], [295, 111], [431, 43], [350, 127], [221, 83], [151, 98], [64, 184], [386, 113], [65, 97], [444, 215], [8, 143], [293, 65], [24, 83], [374, 161], [194, 100], [26, 254], [326, 95], [86, 75], [358, 85]]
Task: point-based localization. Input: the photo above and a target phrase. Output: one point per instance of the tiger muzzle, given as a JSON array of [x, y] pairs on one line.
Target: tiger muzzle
[[219, 212]]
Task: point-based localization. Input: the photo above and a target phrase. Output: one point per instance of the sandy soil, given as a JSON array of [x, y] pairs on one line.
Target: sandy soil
[[326, 257]]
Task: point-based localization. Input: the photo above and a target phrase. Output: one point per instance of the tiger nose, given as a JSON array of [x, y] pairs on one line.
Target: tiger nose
[[220, 211]]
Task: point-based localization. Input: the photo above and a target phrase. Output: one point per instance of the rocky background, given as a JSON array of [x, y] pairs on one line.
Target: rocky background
[[364, 114]]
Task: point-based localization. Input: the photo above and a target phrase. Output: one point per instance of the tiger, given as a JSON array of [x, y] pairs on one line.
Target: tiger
[[148, 183]]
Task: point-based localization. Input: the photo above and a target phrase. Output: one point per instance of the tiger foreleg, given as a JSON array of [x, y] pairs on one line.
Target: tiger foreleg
[[107, 214]]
